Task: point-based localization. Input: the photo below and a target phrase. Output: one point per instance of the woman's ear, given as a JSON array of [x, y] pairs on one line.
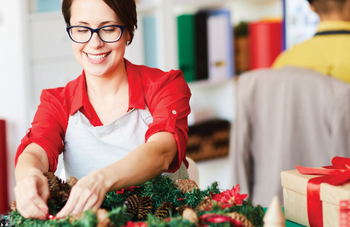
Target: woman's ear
[[312, 7]]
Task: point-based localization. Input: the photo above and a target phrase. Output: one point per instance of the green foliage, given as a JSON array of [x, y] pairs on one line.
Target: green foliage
[[118, 216], [241, 29]]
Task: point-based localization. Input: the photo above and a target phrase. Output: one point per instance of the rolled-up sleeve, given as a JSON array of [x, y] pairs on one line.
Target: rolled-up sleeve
[[47, 130], [168, 101]]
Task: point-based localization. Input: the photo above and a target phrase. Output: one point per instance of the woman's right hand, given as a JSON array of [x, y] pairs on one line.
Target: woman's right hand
[[31, 194]]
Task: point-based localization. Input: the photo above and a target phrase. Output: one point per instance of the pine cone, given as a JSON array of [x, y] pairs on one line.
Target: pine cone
[[190, 215], [132, 205], [14, 206], [163, 211], [71, 181], [186, 185], [181, 209], [103, 220], [145, 207], [205, 203], [241, 218], [54, 183]]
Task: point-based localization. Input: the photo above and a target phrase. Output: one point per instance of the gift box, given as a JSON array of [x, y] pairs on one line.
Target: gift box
[[296, 203]]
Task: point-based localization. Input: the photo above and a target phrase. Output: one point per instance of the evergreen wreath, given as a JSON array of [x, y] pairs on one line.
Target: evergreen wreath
[[210, 207]]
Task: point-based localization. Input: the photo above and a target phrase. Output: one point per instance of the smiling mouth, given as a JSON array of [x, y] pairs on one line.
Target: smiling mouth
[[97, 56]]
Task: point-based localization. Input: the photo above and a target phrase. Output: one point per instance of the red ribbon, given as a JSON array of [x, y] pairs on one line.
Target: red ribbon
[[218, 218], [336, 174]]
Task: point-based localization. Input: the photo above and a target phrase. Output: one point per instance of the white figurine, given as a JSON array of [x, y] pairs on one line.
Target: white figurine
[[274, 216]]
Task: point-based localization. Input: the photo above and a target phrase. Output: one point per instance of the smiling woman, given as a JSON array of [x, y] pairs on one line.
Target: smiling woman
[[112, 118]]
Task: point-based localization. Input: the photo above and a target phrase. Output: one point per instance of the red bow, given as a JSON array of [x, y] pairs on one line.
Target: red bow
[[218, 218], [336, 174]]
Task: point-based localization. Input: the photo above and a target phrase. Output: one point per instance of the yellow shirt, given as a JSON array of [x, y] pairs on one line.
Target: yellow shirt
[[327, 54]]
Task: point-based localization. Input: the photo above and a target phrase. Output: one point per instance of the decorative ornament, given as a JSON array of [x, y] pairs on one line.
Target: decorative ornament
[[103, 220], [145, 207], [240, 217], [186, 185], [132, 205], [180, 209], [190, 215], [205, 204], [274, 216], [163, 211], [229, 198]]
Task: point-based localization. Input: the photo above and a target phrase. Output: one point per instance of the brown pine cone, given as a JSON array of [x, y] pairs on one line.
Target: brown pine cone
[[145, 207], [132, 205], [185, 185], [181, 209], [163, 211], [54, 183], [241, 218], [71, 181], [205, 203], [103, 220]]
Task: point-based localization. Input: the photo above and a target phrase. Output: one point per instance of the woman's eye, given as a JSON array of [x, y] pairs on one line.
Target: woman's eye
[[83, 30], [108, 30]]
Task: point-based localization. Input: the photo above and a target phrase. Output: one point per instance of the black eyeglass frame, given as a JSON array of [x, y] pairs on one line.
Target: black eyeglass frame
[[97, 30]]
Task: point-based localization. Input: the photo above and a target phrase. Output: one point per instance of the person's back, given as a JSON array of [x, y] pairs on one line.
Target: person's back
[[328, 52]]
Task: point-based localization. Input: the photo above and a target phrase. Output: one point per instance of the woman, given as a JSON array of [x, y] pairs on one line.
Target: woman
[[117, 124]]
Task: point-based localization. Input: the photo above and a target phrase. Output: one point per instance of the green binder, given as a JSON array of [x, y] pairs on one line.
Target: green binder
[[186, 46]]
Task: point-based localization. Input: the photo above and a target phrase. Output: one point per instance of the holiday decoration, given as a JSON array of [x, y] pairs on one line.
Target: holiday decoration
[[274, 216], [313, 194], [186, 185], [158, 202]]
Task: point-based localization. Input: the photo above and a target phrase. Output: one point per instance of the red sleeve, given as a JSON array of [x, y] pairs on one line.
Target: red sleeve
[[48, 127], [168, 101]]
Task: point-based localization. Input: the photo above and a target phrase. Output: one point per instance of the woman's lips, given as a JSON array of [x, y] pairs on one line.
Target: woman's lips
[[97, 58]]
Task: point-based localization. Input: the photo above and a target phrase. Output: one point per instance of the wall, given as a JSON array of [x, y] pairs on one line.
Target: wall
[[12, 80]]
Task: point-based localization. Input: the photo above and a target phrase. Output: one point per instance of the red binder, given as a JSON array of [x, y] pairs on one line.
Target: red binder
[[4, 207], [266, 43]]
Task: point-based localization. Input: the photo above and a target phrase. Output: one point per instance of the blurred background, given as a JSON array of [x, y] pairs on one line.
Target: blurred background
[[211, 41]]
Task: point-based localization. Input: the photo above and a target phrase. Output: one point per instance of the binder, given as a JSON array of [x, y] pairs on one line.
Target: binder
[[220, 45], [186, 46], [201, 45]]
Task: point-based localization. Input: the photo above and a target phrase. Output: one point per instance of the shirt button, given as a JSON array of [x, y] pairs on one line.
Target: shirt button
[[28, 131], [174, 112]]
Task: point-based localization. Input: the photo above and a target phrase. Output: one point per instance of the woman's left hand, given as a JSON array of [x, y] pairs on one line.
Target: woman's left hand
[[88, 193]]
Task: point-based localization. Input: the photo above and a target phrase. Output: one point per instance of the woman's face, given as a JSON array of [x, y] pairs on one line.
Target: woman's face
[[97, 57]]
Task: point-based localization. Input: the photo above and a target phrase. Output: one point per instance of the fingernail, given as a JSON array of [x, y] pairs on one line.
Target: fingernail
[[45, 210], [43, 218]]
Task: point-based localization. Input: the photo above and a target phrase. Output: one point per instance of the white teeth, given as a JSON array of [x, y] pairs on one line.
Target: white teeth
[[96, 57]]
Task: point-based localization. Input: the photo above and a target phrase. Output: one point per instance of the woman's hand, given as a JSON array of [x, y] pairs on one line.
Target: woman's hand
[[31, 195], [87, 193]]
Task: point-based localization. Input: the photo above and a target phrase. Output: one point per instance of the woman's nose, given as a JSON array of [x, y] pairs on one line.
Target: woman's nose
[[95, 41]]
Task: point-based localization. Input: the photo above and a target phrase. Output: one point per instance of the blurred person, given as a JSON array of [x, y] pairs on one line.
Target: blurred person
[[328, 52]]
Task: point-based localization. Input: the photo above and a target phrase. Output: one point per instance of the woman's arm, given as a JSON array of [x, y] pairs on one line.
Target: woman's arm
[[140, 165], [32, 189]]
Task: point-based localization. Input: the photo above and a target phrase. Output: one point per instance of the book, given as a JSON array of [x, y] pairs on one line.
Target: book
[[186, 46]]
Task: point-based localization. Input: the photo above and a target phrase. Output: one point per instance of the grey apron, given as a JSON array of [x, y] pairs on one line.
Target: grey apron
[[88, 148]]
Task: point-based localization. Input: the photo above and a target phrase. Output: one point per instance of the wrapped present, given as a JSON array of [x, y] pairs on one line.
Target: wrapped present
[[344, 213], [312, 195]]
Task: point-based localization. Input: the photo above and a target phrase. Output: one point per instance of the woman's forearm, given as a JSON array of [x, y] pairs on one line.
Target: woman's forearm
[[33, 160], [143, 163]]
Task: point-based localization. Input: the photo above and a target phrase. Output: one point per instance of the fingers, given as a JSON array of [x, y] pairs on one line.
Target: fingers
[[80, 199], [29, 203]]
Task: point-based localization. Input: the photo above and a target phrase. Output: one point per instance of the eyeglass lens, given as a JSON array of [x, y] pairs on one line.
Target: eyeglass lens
[[107, 33]]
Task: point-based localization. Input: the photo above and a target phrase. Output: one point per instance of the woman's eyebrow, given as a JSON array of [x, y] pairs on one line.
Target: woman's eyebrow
[[101, 24]]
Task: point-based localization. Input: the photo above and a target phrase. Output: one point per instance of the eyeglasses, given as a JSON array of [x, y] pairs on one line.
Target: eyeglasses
[[108, 34]]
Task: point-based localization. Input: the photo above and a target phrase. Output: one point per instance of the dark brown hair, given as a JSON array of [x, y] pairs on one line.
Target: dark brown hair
[[327, 6], [125, 10]]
